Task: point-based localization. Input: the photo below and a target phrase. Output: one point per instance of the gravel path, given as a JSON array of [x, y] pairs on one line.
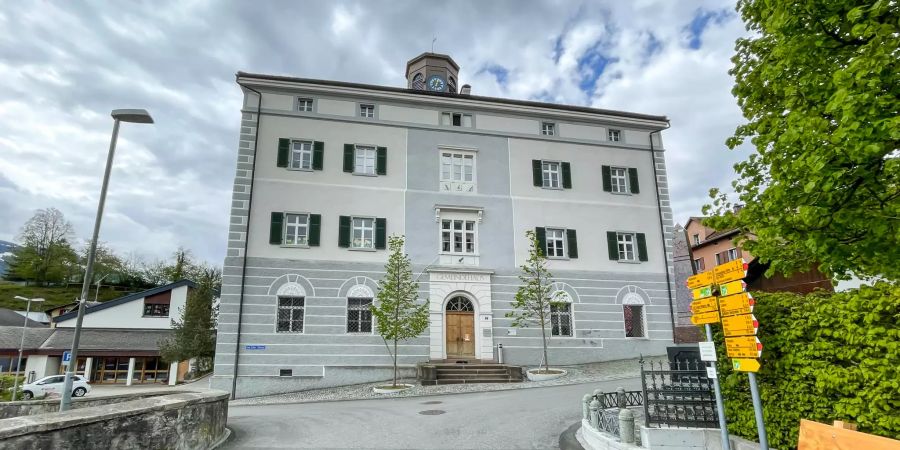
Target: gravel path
[[606, 371]]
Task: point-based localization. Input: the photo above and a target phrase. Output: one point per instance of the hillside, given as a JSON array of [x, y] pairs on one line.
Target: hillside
[[6, 250], [54, 296]]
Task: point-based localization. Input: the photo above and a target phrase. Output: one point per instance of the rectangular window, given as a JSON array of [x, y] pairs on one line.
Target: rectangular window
[[359, 315], [156, 310], [367, 111], [457, 172], [561, 320], [732, 254], [548, 128], [718, 258], [285, 372], [556, 242], [157, 305], [551, 174], [456, 119], [626, 246], [296, 229], [365, 160], [614, 135], [290, 315], [698, 265], [305, 104], [696, 239], [458, 236], [619, 179], [363, 232], [634, 320], [301, 155]]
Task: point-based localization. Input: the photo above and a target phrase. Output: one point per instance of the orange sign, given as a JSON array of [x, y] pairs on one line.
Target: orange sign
[[730, 271], [704, 318], [704, 305], [736, 304], [740, 325], [701, 280], [745, 365], [743, 347]]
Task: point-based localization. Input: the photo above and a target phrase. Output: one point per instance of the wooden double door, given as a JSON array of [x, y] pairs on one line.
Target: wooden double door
[[460, 334]]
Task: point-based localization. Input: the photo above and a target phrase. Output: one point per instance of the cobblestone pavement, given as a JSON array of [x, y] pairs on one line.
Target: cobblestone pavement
[[606, 371]]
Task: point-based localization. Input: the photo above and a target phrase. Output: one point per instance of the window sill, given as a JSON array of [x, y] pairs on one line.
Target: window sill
[[294, 246], [558, 258], [628, 262], [621, 193], [301, 169], [551, 188], [458, 254], [362, 249], [155, 317], [358, 174], [360, 333], [638, 338], [288, 332]]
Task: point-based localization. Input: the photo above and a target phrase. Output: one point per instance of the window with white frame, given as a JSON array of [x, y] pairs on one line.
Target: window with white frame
[[634, 320], [456, 119], [614, 135], [626, 246], [365, 160], [548, 128], [618, 176], [305, 104], [457, 171], [732, 254], [556, 242], [359, 315], [458, 236], [698, 265], [367, 111], [363, 232], [296, 229], [561, 319], [301, 155], [551, 174], [290, 315], [696, 239]]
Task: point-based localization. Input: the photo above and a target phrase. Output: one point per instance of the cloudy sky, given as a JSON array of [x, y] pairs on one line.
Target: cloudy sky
[[66, 64]]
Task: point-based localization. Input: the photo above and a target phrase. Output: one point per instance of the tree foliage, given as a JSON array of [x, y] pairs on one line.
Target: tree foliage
[[399, 315], [46, 253], [819, 83], [534, 299], [194, 335]]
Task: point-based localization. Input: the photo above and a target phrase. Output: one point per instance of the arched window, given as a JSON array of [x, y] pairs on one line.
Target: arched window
[[451, 83], [459, 303], [561, 315], [418, 82]]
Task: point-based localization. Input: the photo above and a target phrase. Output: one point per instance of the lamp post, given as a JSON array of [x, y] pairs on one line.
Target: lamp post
[[22, 343], [119, 115]]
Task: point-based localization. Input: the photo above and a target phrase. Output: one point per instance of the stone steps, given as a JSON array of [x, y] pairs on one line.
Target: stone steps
[[477, 380], [456, 373]]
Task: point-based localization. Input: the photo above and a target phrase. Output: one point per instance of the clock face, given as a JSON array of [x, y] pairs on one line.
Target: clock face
[[436, 83]]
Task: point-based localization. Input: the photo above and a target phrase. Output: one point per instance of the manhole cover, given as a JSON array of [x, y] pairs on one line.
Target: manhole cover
[[432, 412], [432, 402]]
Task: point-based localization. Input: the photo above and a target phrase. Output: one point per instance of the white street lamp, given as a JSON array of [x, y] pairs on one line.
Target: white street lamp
[[119, 115], [22, 342]]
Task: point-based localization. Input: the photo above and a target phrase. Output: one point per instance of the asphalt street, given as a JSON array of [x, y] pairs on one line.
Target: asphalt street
[[513, 419]]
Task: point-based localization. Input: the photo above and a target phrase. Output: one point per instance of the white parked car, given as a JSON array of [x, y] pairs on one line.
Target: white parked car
[[53, 385]]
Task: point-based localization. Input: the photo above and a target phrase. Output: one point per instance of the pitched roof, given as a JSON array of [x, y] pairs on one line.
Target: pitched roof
[[92, 339], [126, 299], [9, 317], [11, 337]]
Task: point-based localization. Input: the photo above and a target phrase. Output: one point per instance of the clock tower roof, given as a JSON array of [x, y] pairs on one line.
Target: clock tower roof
[[432, 72]]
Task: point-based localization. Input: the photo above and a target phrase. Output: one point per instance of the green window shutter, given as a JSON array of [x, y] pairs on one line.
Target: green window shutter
[[284, 150], [566, 175], [315, 226], [607, 179], [633, 181], [572, 242], [348, 157], [642, 246], [344, 231], [613, 245], [541, 234], [276, 228], [381, 160], [318, 161], [380, 233], [537, 175]]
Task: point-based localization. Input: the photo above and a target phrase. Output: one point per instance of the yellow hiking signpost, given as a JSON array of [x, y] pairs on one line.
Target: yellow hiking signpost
[[700, 280], [736, 304], [704, 305], [740, 325]]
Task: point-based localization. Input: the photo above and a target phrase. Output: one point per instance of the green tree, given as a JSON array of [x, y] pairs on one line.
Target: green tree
[[819, 83], [46, 250], [194, 335], [535, 297], [398, 314]]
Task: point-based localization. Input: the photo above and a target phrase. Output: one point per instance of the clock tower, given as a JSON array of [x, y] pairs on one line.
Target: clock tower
[[432, 72]]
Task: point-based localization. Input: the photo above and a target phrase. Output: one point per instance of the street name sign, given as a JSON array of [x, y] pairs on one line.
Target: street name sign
[[735, 287], [736, 304], [730, 271], [704, 318], [704, 305], [740, 325], [700, 280], [745, 365], [703, 292], [707, 351], [743, 347]]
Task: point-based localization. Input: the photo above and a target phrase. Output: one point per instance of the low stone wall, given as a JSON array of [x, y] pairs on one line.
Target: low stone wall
[[189, 420], [32, 407], [663, 439]]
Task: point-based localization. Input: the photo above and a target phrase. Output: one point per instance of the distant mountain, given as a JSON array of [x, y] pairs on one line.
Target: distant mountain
[[6, 251]]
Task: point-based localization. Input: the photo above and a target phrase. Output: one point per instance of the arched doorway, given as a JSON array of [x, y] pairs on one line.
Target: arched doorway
[[460, 325]]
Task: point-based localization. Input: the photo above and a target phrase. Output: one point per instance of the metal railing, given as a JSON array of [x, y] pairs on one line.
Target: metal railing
[[678, 394], [602, 410], [621, 399]]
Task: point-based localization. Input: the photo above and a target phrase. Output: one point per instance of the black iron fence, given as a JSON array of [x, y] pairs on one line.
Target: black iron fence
[[621, 399], [678, 394]]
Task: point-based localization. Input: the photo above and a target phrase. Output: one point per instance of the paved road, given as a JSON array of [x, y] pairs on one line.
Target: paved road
[[515, 419]]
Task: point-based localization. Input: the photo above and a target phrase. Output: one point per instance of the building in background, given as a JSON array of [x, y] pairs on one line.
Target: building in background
[[327, 170], [685, 331]]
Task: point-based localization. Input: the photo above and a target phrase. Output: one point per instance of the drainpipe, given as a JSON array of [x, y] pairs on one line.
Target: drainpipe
[[237, 344], [662, 230]]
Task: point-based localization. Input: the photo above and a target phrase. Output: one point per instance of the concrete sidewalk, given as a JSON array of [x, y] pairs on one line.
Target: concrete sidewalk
[[106, 390]]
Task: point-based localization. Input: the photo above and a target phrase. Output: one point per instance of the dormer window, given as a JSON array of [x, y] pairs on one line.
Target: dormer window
[[367, 111], [548, 128], [157, 305], [305, 104], [456, 119]]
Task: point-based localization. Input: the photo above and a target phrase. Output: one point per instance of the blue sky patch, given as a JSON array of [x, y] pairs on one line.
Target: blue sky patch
[[499, 72], [701, 21], [590, 66]]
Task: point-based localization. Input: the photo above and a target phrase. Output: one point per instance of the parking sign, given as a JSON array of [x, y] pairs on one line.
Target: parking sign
[[67, 356]]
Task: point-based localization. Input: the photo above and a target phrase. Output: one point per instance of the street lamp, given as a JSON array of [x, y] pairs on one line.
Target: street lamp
[[22, 343], [119, 115]]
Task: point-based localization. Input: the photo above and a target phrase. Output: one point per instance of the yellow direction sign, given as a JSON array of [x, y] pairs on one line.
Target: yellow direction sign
[[736, 304], [743, 347], [700, 280], [745, 365], [735, 287], [704, 306], [704, 318], [703, 292], [741, 325], [730, 271]]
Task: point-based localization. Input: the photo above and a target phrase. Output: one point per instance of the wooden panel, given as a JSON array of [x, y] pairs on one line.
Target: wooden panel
[[453, 332], [460, 334], [818, 436], [467, 326]]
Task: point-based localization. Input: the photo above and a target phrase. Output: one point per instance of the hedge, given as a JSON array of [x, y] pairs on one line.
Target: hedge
[[826, 357]]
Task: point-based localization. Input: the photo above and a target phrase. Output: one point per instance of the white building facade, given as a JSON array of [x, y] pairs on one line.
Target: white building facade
[[328, 170]]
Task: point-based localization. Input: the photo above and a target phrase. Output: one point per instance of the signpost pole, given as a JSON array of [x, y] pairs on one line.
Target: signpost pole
[[757, 411], [720, 405]]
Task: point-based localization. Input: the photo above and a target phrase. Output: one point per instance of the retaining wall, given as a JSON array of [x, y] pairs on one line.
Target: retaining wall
[[32, 407]]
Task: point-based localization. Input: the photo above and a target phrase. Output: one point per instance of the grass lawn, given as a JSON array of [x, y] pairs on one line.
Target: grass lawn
[[54, 296]]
